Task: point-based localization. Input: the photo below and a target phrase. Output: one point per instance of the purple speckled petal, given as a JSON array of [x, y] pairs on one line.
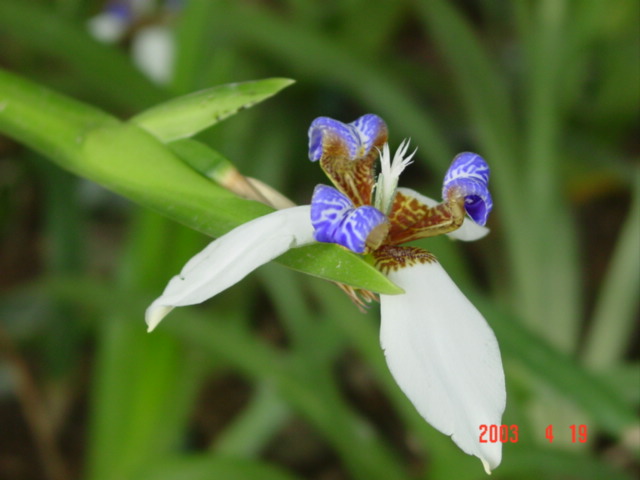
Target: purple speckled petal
[[358, 137], [469, 174], [335, 220]]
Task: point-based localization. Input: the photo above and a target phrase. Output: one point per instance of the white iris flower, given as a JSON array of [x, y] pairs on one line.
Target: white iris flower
[[439, 348]]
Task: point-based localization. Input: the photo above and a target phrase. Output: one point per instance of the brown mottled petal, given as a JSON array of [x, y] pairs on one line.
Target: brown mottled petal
[[412, 219], [353, 177], [390, 258]]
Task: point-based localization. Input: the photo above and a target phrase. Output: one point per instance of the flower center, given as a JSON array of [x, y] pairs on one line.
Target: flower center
[[365, 214]]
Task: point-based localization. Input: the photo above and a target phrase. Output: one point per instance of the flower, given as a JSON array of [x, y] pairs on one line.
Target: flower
[[152, 41], [439, 348]]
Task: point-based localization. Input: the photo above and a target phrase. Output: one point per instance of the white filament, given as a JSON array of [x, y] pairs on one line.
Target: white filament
[[390, 171]]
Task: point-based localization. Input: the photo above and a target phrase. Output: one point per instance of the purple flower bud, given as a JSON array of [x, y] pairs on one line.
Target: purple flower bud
[[469, 176], [335, 220], [357, 137]]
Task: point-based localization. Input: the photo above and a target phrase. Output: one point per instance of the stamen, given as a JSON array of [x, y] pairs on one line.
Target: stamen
[[390, 173], [360, 298]]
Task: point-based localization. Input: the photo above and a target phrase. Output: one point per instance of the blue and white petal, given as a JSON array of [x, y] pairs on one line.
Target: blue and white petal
[[357, 137], [468, 176], [469, 230], [444, 356], [111, 24], [328, 208], [231, 257], [335, 219], [368, 127]]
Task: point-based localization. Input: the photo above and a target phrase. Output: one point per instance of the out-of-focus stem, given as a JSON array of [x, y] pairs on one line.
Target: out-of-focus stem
[[34, 411]]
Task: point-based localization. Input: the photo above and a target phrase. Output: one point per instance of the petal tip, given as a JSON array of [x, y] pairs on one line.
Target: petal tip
[[154, 316], [487, 467]]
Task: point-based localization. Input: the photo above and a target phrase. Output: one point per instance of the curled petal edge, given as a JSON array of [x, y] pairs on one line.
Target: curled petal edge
[[230, 258]]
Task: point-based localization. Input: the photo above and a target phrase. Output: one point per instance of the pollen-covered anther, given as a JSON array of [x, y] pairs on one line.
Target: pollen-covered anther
[[391, 258]]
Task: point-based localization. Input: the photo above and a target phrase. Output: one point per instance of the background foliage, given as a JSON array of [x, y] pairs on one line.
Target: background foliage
[[281, 377]]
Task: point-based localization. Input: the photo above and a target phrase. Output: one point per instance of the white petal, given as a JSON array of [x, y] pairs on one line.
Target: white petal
[[231, 257], [107, 27], [445, 357], [153, 52], [468, 231]]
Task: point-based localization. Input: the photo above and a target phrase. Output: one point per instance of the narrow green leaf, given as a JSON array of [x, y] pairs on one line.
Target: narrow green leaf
[[144, 388], [203, 467], [202, 158], [331, 262], [45, 121], [185, 116], [253, 428], [614, 318], [141, 398]]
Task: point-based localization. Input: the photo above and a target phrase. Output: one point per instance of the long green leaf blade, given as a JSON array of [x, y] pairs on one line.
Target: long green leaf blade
[[203, 467], [185, 116]]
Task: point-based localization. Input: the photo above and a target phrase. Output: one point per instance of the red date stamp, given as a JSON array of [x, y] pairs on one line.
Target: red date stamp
[[498, 433], [509, 433], [578, 433]]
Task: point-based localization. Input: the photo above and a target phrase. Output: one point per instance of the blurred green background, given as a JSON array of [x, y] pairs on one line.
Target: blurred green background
[[281, 377]]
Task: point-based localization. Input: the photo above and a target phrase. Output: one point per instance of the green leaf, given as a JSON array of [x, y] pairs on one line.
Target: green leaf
[[131, 162], [203, 467], [202, 158], [45, 121], [332, 262], [615, 314], [141, 399], [185, 116]]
